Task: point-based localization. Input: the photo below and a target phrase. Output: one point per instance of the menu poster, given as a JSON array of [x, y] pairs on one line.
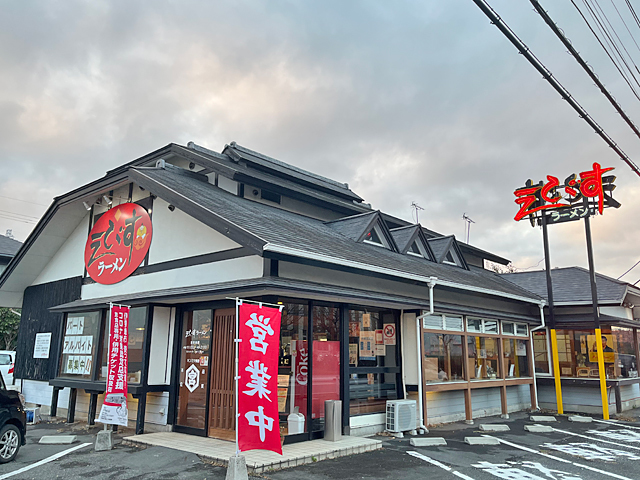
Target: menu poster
[[379, 340], [366, 320], [354, 329], [367, 345], [353, 354], [381, 350]]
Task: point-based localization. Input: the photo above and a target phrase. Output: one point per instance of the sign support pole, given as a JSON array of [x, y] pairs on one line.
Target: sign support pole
[[552, 318], [596, 318], [236, 377]]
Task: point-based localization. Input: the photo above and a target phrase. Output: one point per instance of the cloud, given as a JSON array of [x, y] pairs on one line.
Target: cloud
[[406, 101]]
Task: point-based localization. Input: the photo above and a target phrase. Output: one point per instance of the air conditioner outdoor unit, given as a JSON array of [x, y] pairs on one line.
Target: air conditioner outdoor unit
[[401, 415]]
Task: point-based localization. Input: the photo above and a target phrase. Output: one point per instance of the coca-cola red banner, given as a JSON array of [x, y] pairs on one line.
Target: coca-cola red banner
[[118, 243], [114, 409], [258, 421]]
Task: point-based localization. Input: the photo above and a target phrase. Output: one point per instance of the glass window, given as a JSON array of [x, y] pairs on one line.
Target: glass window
[[373, 237], [137, 320], [490, 326], [79, 344], [367, 349], [540, 355], [5, 359], [474, 325], [414, 249], [442, 358], [516, 357], [483, 358], [508, 328], [293, 370], [194, 368], [521, 329], [625, 365], [326, 361]]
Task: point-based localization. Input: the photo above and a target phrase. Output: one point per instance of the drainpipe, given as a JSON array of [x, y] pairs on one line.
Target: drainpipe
[[531, 330], [431, 283]]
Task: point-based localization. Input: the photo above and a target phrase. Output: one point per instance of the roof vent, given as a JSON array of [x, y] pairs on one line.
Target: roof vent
[[160, 163], [191, 145]]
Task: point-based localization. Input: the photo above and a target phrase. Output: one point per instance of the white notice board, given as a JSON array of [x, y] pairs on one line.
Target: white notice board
[[42, 345]]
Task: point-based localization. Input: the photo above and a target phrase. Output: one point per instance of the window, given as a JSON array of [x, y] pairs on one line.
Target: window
[[442, 358], [510, 328], [5, 359], [373, 237], [293, 370], [137, 320], [449, 259], [482, 326], [516, 359], [415, 250], [326, 361], [443, 322], [483, 358], [521, 329], [79, 345], [540, 353], [369, 390]]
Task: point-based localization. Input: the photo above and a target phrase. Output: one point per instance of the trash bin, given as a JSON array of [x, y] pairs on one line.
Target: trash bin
[[295, 422], [332, 420]]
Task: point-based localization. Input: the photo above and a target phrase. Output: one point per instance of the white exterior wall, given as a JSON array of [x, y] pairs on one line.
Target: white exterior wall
[[161, 346], [178, 235], [155, 413], [224, 271], [623, 312], [69, 259]]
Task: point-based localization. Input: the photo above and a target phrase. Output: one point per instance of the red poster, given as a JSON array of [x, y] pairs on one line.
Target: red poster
[[258, 419], [118, 243], [114, 409]]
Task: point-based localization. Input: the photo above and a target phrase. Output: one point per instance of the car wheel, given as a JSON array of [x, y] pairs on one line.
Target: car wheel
[[9, 443]]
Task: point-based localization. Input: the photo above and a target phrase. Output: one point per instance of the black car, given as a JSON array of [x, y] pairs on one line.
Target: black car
[[13, 423]]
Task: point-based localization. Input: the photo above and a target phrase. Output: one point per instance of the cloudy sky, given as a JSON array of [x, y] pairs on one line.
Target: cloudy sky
[[406, 101]]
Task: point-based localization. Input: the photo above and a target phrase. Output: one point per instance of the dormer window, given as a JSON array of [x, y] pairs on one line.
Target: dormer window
[[449, 259], [373, 237], [414, 250]]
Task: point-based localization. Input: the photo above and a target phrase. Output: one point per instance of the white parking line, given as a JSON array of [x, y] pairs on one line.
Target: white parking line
[[616, 423], [46, 460], [537, 452], [596, 439], [437, 464]]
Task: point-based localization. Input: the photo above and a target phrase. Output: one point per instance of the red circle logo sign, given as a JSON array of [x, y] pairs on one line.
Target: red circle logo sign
[[118, 243]]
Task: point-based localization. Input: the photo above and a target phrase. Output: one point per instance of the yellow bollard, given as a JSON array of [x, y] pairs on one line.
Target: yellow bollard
[[556, 370], [603, 379]]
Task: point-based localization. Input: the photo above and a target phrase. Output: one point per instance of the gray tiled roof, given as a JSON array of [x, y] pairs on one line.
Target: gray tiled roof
[[355, 226], [403, 236], [440, 246], [299, 174], [570, 284], [8, 246], [290, 230]]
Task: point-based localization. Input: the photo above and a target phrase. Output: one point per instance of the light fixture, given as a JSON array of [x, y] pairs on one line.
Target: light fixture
[[171, 208], [86, 205], [107, 200]]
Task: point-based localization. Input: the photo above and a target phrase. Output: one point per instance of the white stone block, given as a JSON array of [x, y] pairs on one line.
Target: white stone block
[[542, 418], [538, 428], [57, 439], [481, 441], [580, 419], [496, 427], [427, 442]]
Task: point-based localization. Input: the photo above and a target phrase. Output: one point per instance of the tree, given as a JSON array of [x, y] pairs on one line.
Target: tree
[[498, 268], [9, 323]]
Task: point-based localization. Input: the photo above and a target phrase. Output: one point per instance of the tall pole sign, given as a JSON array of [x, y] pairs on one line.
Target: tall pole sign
[[580, 196]]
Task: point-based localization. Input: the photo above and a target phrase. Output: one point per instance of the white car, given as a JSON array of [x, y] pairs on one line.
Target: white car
[[7, 363]]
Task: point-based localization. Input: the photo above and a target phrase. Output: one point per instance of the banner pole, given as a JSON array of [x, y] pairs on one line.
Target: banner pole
[[236, 372]]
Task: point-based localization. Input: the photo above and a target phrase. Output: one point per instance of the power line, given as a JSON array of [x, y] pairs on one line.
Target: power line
[[615, 64], [625, 25], [25, 201], [547, 75], [567, 43], [633, 12], [634, 266]]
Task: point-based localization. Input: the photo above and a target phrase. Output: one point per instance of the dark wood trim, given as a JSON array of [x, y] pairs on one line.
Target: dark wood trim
[[93, 404], [468, 408], [309, 422], [175, 367], [140, 416], [445, 387], [503, 400], [54, 402], [344, 370], [71, 408], [146, 346]]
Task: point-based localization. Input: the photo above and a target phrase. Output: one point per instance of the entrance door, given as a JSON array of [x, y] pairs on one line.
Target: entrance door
[[221, 401]]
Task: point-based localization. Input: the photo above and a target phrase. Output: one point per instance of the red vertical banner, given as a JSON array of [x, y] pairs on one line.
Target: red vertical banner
[[258, 420], [114, 409], [301, 375]]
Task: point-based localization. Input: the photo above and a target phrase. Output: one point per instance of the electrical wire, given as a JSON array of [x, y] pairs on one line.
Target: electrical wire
[[625, 25], [25, 201], [634, 266], [615, 64], [633, 12], [585, 66], [548, 76]]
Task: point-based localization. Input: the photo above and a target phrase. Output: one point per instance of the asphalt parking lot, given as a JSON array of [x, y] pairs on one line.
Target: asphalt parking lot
[[572, 451]]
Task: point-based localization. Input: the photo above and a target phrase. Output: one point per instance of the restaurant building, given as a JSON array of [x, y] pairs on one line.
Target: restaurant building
[[619, 307], [374, 308]]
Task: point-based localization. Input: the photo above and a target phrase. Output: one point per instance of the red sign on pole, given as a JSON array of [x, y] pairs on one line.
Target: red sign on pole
[[118, 243], [258, 425], [114, 409]]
